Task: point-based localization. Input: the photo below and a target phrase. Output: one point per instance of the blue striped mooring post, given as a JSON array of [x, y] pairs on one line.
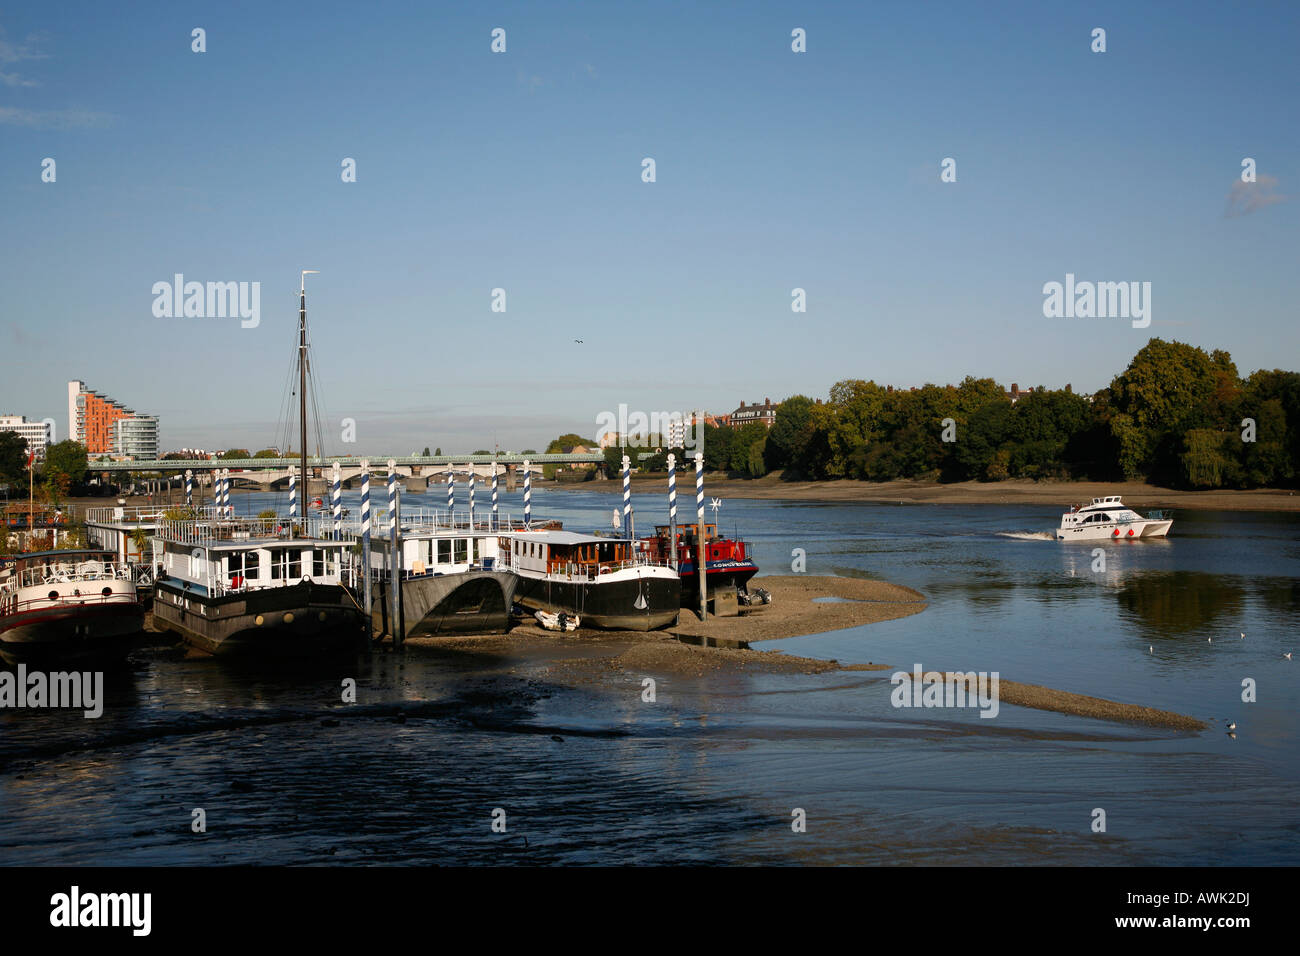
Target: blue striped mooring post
[[627, 496], [365, 536], [189, 488], [394, 565], [672, 507], [494, 494], [700, 561], [338, 504], [293, 494], [225, 492], [471, 496], [528, 496], [451, 496]]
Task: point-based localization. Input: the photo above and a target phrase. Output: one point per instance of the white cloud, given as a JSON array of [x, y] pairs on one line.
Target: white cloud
[[54, 119]]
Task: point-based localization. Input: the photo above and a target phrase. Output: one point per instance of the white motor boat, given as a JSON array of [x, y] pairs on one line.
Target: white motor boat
[[1110, 519]]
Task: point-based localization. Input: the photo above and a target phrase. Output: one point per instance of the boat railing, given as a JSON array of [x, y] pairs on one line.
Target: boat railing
[[207, 531], [416, 520], [67, 573]]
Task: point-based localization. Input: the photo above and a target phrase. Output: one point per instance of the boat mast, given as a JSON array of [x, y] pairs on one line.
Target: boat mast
[[302, 388]]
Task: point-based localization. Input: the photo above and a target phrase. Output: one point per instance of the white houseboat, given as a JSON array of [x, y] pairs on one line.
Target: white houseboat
[[67, 605], [608, 582], [257, 586]]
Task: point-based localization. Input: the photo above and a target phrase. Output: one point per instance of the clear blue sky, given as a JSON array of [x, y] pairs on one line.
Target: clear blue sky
[[523, 171]]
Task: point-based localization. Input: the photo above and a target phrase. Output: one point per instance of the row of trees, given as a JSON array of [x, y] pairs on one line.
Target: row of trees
[[1176, 416], [63, 469]]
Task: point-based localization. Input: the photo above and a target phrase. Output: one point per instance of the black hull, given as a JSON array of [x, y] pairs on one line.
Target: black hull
[[606, 604], [304, 619], [471, 602], [79, 633]]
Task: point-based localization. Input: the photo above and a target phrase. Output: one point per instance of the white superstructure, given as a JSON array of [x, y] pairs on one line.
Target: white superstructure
[[1110, 519]]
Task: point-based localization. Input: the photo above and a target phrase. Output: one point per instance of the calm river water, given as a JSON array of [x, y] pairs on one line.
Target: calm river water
[[712, 771]]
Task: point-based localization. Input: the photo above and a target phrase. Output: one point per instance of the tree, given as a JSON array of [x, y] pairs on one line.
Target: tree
[[234, 453], [65, 464], [13, 459], [1158, 397], [564, 442], [268, 453], [426, 451], [437, 451], [790, 433]]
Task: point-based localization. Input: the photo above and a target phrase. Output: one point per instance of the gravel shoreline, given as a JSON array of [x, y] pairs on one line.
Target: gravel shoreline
[[613, 657]]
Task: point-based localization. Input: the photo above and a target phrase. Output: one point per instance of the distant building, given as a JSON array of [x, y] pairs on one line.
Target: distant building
[[1013, 396], [679, 431], [764, 414], [718, 421], [36, 434], [136, 437], [93, 420]]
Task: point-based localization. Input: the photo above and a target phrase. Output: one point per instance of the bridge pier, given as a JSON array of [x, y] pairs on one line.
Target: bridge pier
[[416, 484], [510, 476]]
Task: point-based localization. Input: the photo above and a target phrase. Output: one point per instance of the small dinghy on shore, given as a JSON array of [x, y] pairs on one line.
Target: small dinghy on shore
[[557, 622]]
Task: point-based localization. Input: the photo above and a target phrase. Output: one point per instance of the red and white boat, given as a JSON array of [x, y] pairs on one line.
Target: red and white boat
[[727, 561], [65, 605]]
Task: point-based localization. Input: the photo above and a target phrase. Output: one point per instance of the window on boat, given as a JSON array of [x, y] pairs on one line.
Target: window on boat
[[444, 550], [462, 551], [325, 563]]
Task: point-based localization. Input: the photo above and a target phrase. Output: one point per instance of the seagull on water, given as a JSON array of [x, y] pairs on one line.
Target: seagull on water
[[1243, 635], [1287, 655], [1232, 726], [1150, 649]]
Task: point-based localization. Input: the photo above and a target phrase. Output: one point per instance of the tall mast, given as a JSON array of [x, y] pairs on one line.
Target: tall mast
[[302, 388]]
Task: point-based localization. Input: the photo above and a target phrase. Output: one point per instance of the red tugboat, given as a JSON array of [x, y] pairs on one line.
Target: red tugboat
[[727, 560]]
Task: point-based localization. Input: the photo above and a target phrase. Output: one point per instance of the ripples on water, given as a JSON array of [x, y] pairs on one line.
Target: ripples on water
[[711, 772]]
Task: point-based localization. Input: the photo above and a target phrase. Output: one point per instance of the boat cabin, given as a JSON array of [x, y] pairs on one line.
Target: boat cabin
[[566, 552], [216, 556]]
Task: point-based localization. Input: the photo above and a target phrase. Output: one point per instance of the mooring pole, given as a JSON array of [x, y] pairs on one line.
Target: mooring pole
[[365, 537], [672, 507], [338, 504], [528, 496], [627, 497], [495, 526], [701, 563], [401, 607], [293, 497], [451, 496], [189, 488], [393, 572]]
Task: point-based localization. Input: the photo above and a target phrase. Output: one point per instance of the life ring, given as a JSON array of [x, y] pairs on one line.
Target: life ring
[[605, 569]]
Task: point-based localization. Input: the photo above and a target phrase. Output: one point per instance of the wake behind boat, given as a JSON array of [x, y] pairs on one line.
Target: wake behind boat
[[1109, 519]]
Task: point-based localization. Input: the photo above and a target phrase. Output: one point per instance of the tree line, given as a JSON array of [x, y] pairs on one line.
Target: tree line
[[1176, 416]]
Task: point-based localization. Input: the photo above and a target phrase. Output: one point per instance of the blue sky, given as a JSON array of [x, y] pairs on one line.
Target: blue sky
[[522, 170]]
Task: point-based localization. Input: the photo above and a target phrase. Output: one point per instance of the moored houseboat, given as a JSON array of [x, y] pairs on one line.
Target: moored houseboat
[[608, 582], [450, 580], [67, 605], [727, 561], [257, 586]]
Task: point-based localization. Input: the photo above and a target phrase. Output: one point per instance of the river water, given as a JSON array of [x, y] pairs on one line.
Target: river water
[[717, 768]]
